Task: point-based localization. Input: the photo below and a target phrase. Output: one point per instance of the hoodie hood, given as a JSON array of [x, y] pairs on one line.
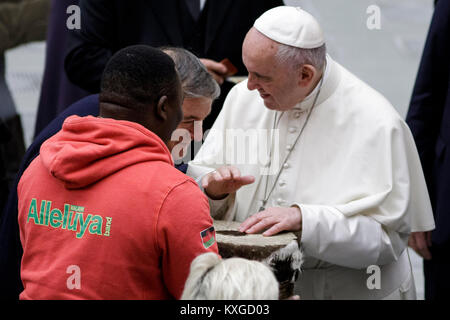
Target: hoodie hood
[[88, 149]]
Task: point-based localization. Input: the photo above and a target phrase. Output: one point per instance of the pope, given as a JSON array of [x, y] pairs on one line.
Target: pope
[[342, 170]]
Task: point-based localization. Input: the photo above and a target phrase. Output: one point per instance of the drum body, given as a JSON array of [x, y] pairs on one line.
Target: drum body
[[280, 252]]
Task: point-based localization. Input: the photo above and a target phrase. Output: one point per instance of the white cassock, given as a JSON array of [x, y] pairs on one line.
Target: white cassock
[[354, 172]]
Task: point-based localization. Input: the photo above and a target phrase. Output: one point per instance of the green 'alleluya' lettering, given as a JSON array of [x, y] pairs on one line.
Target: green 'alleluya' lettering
[[32, 212], [55, 218], [83, 224], [42, 212], [65, 217], [96, 227], [67, 220], [73, 222], [47, 212]]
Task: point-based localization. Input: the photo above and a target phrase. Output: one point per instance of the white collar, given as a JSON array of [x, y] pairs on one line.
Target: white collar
[[325, 76]]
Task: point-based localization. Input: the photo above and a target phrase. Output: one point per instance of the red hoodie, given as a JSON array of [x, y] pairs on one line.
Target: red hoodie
[[103, 214]]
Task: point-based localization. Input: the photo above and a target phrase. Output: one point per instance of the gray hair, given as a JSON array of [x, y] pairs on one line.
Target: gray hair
[[213, 278], [196, 81], [296, 57]]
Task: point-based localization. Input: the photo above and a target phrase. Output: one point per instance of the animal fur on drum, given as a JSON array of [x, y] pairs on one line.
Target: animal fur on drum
[[280, 252], [286, 264]]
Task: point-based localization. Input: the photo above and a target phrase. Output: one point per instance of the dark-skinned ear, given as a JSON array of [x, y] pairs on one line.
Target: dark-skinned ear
[[162, 108]]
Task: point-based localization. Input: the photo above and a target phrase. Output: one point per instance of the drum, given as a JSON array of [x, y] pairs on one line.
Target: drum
[[280, 252]]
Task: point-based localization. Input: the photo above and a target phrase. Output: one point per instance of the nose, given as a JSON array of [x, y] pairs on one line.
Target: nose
[[251, 83]]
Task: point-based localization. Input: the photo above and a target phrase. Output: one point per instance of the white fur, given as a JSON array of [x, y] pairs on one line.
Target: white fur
[[212, 278]]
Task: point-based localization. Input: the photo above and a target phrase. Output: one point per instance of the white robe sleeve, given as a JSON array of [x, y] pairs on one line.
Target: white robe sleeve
[[356, 242], [372, 227], [222, 209]]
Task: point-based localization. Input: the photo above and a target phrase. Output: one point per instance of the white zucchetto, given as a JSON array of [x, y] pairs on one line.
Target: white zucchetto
[[291, 26]]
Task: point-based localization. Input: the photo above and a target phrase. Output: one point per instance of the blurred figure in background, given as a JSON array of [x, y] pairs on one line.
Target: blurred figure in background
[[429, 120], [20, 22], [57, 92], [212, 30], [213, 278]]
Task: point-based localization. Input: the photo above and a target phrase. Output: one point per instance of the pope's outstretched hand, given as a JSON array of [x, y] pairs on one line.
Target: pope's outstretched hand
[[223, 181]]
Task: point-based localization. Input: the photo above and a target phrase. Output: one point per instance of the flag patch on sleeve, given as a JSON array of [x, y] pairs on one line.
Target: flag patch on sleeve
[[208, 237]]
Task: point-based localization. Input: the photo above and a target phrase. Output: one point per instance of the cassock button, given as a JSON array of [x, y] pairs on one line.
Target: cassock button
[[282, 183], [286, 165], [280, 201], [292, 129], [289, 147]]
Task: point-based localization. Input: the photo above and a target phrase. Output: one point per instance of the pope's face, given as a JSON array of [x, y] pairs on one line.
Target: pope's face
[[276, 83]]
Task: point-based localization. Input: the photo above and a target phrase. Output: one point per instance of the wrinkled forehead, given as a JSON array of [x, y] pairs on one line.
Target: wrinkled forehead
[[258, 50], [258, 44]]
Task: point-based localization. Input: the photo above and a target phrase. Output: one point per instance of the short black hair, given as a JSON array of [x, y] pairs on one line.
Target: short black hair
[[137, 76]]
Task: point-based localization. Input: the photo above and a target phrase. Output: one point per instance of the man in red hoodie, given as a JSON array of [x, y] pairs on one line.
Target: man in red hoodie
[[103, 213]]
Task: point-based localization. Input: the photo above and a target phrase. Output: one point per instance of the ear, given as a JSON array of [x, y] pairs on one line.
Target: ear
[[162, 108], [307, 73]]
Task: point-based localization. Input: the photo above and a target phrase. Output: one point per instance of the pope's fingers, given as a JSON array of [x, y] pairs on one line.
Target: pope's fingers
[[216, 176], [225, 172], [244, 180], [254, 219], [275, 229], [263, 224], [205, 180], [212, 176], [235, 172], [249, 222]]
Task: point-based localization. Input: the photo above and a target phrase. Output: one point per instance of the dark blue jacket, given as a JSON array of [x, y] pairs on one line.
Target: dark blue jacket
[[110, 25], [429, 118], [57, 92]]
